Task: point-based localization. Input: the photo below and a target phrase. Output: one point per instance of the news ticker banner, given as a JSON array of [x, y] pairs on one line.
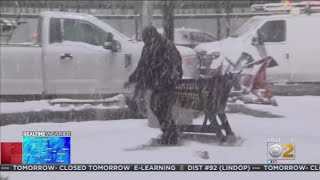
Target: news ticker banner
[[161, 167]]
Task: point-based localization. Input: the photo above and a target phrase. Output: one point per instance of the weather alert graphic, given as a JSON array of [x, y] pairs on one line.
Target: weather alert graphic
[[46, 150]]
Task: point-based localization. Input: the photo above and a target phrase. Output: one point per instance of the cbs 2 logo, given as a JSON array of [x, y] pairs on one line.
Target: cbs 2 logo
[[276, 150]]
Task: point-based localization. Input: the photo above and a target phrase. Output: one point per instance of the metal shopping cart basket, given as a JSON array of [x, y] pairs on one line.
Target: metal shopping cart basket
[[209, 95]]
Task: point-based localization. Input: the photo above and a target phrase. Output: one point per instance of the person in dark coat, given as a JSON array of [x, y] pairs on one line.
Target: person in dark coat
[[158, 70]]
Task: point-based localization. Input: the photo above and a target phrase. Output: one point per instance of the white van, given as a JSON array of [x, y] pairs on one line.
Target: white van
[[292, 40]]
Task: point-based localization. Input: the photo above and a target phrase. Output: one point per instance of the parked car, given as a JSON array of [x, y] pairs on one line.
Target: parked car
[[190, 37], [291, 39], [63, 53]]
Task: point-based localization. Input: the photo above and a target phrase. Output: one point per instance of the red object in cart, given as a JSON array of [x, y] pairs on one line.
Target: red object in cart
[[255, 81]]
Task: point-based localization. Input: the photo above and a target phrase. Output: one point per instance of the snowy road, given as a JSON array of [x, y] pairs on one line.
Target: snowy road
[[109, 141]]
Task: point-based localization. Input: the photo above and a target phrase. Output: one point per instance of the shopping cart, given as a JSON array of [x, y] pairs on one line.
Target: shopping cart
[[209, 95]]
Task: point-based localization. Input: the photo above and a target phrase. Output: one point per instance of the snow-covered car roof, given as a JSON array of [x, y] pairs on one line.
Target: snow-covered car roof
[[183, 29], [183, 36]]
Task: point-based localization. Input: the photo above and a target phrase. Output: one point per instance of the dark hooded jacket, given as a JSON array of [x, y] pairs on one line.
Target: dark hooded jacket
[[160, 65]]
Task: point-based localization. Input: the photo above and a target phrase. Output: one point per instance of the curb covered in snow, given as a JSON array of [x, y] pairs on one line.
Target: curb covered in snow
[[67, 116], [244, 109]]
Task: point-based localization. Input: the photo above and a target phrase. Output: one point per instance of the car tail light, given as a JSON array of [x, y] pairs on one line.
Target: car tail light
[[35, 34]]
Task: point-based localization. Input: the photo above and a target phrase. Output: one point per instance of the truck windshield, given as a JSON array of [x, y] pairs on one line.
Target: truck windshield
[[26, 32], [246, 27]]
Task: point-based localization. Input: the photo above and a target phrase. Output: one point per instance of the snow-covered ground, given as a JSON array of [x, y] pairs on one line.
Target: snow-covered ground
[[115, 142]]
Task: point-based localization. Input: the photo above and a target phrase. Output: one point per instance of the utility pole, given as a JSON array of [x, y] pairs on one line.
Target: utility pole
[[218, 10], [146, 13], [168, 18], [228, 9]]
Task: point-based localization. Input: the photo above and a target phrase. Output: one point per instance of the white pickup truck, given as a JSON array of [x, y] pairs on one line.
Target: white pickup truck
[[292, 40], [63, 53]]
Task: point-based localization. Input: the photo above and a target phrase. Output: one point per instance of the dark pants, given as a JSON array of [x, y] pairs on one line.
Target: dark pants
[[161, 104]]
